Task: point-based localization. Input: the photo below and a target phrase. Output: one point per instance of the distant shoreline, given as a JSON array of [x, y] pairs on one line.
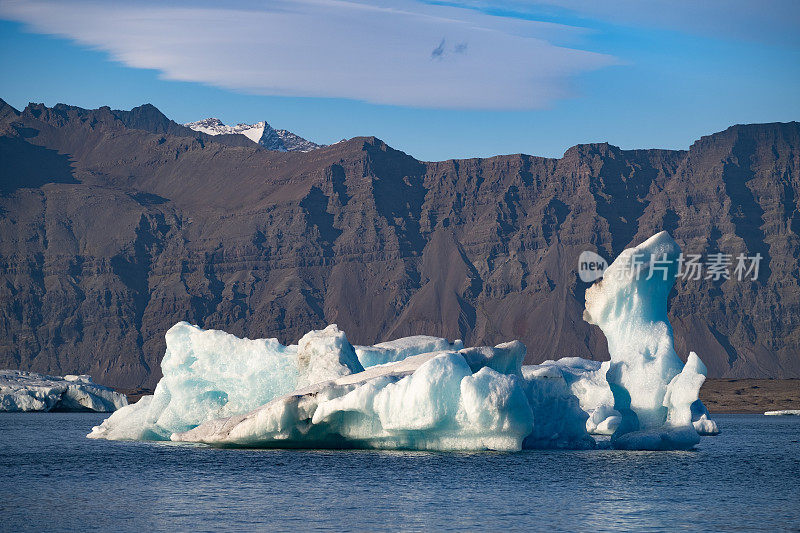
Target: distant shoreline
[[722, 395]]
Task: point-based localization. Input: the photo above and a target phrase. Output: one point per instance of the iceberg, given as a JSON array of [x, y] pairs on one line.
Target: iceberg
[[653, 390], [211, 374], [784, 412], [27, 391], [429, 393], [425, 402]]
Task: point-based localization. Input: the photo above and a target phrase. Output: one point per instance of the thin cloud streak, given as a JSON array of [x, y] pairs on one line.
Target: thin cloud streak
[[771, 22], [379, 53]]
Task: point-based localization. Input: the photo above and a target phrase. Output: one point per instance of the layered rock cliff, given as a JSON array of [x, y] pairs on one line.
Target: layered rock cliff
[[115, 225]]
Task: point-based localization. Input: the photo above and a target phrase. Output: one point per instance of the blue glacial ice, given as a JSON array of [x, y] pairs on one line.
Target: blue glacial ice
[[209, 374], [429, 393]]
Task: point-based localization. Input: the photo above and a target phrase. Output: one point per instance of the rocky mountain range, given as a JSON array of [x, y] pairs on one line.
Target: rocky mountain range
[[260, 133], [114, 225]]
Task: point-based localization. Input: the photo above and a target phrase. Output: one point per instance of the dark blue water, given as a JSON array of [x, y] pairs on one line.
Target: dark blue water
[[54, 479]]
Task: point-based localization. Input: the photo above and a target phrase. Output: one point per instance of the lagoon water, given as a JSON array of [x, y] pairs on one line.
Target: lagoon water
[[53, 478]]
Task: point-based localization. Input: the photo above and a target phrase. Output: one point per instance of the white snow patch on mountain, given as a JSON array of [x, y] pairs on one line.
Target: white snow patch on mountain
[[260, 133]]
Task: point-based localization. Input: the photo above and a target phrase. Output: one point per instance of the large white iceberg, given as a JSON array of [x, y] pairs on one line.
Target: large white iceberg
[[432, 394], [27, 391], [425, 402], [653, 390], [212, 374]]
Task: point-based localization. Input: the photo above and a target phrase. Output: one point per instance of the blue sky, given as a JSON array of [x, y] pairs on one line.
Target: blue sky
[[437, 80]]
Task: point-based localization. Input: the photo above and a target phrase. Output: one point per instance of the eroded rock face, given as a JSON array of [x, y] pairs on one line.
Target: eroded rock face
[[114, 229]]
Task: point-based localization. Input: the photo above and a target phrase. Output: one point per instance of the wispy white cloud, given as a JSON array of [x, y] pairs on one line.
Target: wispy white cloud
[[398, 53]]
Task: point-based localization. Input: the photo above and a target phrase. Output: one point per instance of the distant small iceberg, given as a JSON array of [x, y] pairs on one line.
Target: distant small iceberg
[[27, 391], [784, 412]]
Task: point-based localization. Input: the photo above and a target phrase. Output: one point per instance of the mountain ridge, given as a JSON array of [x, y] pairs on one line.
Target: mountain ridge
[[260, 133], [366, 236]]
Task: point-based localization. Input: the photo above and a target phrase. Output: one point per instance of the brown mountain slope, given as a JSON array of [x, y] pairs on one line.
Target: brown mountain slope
[[113, 227]]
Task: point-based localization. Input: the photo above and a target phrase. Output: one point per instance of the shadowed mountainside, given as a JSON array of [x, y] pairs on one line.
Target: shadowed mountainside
[[115, 225]]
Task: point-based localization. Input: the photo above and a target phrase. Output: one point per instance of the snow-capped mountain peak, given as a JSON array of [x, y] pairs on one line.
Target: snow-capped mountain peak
[[260, 132]]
